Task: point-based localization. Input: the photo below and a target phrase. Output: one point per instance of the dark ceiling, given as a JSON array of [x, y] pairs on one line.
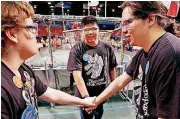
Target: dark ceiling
[[43, 8], [113, 10]]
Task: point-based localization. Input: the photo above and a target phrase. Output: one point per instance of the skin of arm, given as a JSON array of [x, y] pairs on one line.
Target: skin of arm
[[112, 73], [80, 83], [57, 96], [119, 83]]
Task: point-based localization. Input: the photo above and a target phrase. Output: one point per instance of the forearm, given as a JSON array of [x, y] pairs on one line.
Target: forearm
[[119, 83], [80, 83], [82, 87], [112, 74], [57, 96]]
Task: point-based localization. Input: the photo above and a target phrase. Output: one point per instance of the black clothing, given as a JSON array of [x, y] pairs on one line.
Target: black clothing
[[94, 62], [156, 77], [15, 100]]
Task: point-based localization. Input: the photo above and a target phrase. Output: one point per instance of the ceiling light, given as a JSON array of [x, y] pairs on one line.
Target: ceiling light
[[101, 5], [35, 6]]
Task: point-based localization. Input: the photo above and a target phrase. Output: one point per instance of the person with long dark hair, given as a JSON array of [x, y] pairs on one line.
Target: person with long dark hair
[[155, 70]]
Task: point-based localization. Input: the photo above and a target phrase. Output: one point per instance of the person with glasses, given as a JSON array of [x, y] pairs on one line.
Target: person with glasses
[[20, 88], [154, 70], [92, 63]]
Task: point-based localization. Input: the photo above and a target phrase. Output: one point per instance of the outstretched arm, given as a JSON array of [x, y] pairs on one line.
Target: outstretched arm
[[60, 97], [119, 83]]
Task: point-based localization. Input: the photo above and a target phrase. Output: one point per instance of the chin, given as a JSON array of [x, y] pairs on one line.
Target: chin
[[91, 41]]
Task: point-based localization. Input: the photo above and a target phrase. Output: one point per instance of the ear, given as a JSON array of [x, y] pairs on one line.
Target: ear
[[151, 20], [11, 35]]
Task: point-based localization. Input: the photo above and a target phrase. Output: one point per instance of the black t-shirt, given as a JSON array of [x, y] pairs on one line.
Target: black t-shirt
[[156, 77], [94, 62], [15, 100]]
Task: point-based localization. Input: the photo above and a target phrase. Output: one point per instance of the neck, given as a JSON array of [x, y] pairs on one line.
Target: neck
[[12, 60], [151, 38]]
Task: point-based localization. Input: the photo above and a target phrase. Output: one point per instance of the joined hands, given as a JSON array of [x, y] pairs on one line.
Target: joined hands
[[92, 104]]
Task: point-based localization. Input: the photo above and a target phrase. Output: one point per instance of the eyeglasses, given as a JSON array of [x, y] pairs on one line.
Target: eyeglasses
[[90, 30], [32, 28], [126, 23]]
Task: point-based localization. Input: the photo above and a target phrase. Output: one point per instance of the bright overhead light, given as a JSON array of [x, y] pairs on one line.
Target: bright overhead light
[[119, 6], [68, 10], [49, 3], [35, 6], [100, 5], [51, 6], [52, 9]]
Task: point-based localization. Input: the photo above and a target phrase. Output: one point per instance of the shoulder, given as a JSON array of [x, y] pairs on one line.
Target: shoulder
[[77, 46], [103, 43], [138, 55], [169, 47], [25, 67], [175, 46]]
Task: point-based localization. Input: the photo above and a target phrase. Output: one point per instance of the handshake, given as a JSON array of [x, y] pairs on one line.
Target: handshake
[[90, 103]]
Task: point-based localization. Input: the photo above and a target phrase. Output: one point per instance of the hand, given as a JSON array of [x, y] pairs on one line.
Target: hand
[[89, 102], [90, 109]]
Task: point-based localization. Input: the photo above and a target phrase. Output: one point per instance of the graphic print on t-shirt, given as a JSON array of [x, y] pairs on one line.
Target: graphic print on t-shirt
[[141, 93], [137, 91], [29, 95], [93, 68]]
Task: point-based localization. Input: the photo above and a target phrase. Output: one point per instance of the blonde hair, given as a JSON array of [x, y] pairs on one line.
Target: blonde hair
[[14, 13]]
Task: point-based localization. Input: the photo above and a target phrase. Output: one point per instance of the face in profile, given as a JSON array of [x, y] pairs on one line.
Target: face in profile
[[26, 38], [135, 29], [91, 33]]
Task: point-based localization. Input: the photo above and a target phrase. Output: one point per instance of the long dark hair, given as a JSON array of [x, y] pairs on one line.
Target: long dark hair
[[142, 9]]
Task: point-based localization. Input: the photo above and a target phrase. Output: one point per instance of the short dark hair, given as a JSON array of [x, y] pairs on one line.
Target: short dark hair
[[142, 9], [88, 20]]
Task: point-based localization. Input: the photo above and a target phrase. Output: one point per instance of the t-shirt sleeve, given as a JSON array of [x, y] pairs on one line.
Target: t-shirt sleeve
[[130, 69], [74, 62], [40, 86], [167, 88], [112, 59]]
